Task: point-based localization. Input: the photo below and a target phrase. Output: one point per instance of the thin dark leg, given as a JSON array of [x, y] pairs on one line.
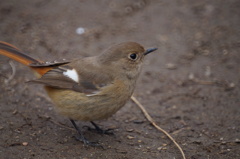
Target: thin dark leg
[[81, 137], [101, 131]]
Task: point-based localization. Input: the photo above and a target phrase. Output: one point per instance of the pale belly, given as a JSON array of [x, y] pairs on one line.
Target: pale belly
[[78, 106]]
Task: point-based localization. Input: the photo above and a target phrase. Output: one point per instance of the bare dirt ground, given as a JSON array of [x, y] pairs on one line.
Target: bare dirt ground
[[190, 86]]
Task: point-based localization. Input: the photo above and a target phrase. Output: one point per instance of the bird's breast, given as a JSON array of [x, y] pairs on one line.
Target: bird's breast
[[79, 106]]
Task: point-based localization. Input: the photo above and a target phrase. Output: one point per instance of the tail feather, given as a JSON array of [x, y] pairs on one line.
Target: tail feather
[[2, 43], [14, 53]]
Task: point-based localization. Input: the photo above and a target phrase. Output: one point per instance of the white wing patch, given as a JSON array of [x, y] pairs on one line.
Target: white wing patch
[[71, 74]]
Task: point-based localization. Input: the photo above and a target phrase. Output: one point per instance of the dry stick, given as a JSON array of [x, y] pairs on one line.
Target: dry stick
[[156, 126], [13, 72]]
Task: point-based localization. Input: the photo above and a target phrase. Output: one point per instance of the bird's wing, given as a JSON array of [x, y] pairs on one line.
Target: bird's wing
[[66, 77]]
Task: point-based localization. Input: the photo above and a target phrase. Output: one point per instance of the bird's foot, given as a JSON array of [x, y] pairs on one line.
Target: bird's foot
[[99, 130]]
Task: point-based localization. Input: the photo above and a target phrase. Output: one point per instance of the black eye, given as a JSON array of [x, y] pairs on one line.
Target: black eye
[[133, 56]]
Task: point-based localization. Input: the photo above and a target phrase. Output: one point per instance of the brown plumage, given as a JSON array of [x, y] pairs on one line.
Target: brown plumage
[[89, 88]]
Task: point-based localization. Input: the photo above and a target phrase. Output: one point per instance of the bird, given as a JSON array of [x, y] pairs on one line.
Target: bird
[[90, 88]]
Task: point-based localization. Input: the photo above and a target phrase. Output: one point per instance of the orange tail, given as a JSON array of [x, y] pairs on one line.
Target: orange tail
[[14, 53]]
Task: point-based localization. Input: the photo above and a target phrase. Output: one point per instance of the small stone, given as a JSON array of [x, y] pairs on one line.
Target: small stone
[[237, 140], [25, 143], [130, 137], [14, 112], [171, 66], [129, 130], [231, 85], [80, 30], [191, 76]]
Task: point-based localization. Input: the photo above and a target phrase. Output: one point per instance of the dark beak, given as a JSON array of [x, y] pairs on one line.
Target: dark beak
[[149, 51]]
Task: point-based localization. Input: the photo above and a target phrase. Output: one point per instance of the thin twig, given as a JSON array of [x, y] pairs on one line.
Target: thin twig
[[13, 72], [150, 119]]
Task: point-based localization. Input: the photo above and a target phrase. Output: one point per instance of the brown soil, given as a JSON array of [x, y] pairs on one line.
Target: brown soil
[[190, 86]]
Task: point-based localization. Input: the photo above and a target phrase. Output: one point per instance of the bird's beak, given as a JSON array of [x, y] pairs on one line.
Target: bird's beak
[[149, 51]]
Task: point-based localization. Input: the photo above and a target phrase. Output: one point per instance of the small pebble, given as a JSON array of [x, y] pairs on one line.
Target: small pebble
[[231, 85], [80, 30], [14, 112], [164, 144], [130, 137], [237, 140], [171, 66], [129, 130], [191, 76], [25, 143]]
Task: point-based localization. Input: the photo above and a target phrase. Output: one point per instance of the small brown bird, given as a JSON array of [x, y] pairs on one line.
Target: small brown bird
[[90, 88]]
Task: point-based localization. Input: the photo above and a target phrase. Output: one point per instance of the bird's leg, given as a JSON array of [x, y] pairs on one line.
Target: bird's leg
[[99, 130], [80, 136]]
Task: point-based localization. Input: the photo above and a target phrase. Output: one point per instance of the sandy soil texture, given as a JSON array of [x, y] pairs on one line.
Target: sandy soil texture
[[190, 86]]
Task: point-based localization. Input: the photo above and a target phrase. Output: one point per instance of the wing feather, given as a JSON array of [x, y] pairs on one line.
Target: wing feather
[[89, 83]]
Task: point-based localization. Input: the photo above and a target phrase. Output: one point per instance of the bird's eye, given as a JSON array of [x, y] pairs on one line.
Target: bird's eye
[[133, 56]]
